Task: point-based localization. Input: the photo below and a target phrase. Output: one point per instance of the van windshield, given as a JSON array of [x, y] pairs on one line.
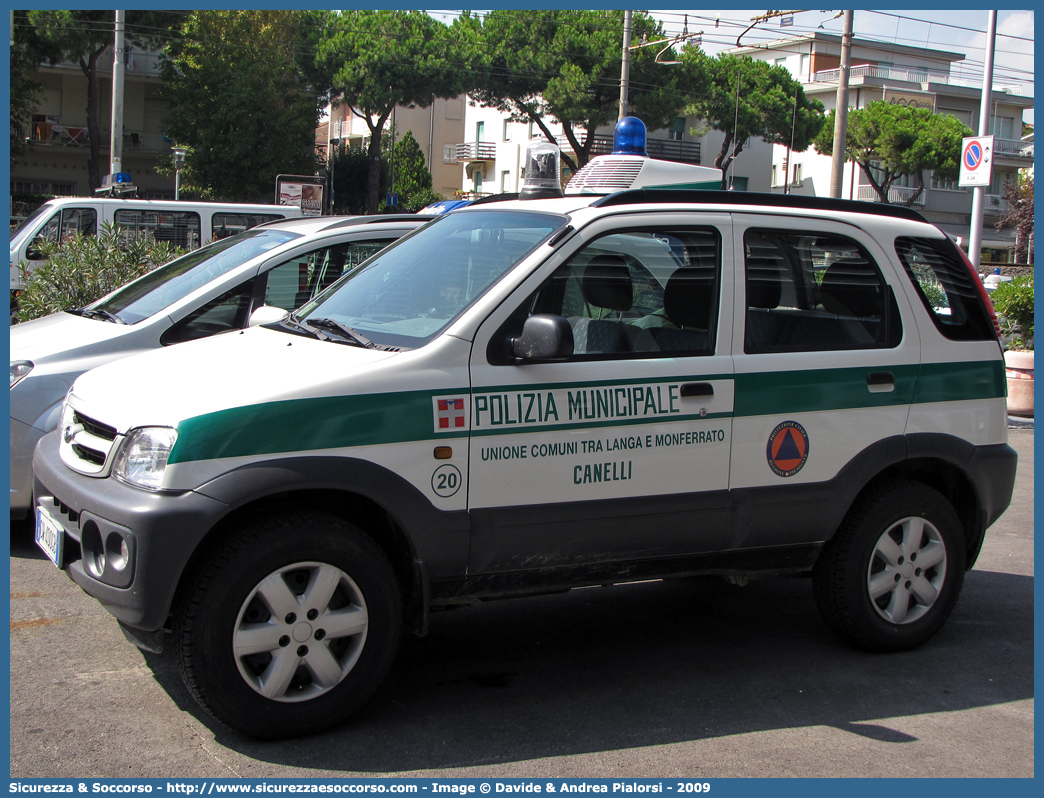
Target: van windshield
[[28, 222], [408, 293], [160, 288]]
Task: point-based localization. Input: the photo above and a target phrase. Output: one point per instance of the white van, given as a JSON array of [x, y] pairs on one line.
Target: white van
[[184, 224]]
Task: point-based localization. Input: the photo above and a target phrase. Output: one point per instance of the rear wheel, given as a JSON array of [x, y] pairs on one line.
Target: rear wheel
[[289, 626], [890, 577]]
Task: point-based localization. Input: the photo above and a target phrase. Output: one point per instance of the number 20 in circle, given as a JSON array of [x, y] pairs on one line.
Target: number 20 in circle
[[446, 481]]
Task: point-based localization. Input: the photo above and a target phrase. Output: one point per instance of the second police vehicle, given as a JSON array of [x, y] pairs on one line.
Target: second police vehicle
[[537, 394]]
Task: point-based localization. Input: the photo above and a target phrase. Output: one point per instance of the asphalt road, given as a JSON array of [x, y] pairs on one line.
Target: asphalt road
[[691, 678]]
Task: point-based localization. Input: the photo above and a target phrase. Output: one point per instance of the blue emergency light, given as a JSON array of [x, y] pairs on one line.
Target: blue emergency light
[[629, 137]]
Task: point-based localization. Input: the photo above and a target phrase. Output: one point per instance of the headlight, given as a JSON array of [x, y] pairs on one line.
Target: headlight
[[142, 458], [19, 371]]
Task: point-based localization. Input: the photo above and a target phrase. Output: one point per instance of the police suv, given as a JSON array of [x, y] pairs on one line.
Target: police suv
[[538, 394]]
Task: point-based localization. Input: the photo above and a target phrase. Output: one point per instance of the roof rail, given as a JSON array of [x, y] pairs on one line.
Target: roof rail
[[644, 196], [493, 198], [351, 221]]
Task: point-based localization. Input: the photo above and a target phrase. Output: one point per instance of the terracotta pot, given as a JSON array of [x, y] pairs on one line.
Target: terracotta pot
[[1019, 371]]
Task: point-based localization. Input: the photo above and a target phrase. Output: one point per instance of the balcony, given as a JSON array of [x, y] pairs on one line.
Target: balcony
[[916, 75], [994, 205], [897, 195], [1010, 149], [53, 133], [475, 151]]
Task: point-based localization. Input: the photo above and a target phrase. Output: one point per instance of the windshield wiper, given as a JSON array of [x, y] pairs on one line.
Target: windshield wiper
[[95, 313], [344, 330], [294, 324]]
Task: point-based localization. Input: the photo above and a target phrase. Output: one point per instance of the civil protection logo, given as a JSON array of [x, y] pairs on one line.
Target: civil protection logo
[[787, 448]]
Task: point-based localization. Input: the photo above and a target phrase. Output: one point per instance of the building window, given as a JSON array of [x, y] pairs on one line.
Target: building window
[[504, 177], [447, 153], [677, 129], [775, 175], [507, 133], [478, 180], [480, 128], [797, 174], [530, 128]]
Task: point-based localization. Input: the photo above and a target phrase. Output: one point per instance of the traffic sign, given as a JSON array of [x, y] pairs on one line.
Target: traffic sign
[[976, 161]]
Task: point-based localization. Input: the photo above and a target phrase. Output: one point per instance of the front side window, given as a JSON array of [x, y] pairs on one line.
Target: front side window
[[641, 293], [294, 282], [810, 291], [419, 285], [946, 287]]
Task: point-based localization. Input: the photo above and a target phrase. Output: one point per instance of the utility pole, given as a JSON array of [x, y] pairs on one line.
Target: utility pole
[[837, 171], [979, 192], [116, 132], [625, 64]]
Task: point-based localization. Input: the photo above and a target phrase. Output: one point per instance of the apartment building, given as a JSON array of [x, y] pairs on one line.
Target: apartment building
[[492, 153], [910, 75], [436, 128], [56, 162]]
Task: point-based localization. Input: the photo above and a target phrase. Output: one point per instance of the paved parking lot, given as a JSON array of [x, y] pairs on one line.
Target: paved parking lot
[[683, 678]]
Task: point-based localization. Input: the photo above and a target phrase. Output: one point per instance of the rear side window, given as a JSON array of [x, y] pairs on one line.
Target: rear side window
[[180, 228], [809, 291], [223, 225], [946, 287]]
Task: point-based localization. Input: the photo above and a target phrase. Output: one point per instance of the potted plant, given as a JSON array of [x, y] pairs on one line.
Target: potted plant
[[1013, 302]]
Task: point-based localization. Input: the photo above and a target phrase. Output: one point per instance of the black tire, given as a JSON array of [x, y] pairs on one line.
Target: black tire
[[317, 664], [868, 583]]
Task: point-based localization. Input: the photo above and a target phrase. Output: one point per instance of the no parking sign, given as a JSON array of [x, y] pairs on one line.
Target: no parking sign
[[976, 161]]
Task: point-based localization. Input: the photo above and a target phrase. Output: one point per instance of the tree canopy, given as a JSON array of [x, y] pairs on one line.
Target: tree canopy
[[1019, 214], [84, 37], [239, 103], [375, 60], [745, 98], [565, 64], [891, 141]]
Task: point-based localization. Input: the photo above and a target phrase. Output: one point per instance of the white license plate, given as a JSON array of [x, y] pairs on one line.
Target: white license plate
[[49, 536]]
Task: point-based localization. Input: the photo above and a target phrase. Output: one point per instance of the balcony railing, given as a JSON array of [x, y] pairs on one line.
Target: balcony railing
[[1011, 148], [994, 204], [140, 64], [57, 134], [660, 149], [911, 75], [475, 151], [897, 195]]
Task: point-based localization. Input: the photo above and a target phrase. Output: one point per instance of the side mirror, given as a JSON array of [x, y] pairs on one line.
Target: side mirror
[[267, 314], [544, 337]]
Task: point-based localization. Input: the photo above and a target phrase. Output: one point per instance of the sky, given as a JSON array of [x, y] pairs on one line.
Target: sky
[[961, 31]]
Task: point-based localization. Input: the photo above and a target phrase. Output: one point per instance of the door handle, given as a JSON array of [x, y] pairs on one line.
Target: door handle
[[880, 382], [697, 390]]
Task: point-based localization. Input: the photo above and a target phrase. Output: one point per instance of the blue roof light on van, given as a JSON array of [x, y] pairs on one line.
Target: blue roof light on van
[[629, 137]]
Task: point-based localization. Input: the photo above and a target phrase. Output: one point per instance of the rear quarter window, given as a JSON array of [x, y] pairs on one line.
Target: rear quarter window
[[946, 287]]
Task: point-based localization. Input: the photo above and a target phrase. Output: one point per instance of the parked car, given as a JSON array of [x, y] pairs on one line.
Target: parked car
[[226, 285], [533, 395]]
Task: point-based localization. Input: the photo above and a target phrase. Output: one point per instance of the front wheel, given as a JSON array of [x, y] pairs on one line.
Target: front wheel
[[289, 626], [890, 577]]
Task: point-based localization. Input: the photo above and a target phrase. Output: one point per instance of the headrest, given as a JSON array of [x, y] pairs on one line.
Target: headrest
[[607, 283], [851, 287], [688, 298]]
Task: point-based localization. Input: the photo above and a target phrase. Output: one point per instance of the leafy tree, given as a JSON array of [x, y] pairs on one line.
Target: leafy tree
[[28, 51], [85, 37], [1019, 214], [238, 102], [565, 64], [891, 141], [411, 178], [346, 173], [80, 269], [375, 60], [746, 98]]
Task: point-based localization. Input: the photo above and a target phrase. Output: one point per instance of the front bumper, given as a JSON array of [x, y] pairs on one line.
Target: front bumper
[[23, 442], [135, 581]]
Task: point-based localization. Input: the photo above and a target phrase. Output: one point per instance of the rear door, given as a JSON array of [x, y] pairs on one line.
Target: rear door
[[825, 374], [621, 451]]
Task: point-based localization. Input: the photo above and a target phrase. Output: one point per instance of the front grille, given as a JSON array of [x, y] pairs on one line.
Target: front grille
[[90, 455], [96, 428]]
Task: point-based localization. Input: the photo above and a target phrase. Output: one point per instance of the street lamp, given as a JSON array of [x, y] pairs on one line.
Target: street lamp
[[179, 161]]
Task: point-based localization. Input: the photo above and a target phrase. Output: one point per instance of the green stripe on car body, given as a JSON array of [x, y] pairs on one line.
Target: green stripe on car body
[[302, 425]]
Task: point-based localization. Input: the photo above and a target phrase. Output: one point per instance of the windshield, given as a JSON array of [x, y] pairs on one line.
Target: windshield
[[413, 290], [29, 221], [161, 287]]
